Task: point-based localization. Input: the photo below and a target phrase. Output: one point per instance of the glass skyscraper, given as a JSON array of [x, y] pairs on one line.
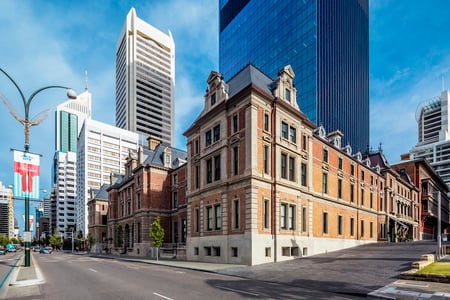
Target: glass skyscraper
[[325, 41]]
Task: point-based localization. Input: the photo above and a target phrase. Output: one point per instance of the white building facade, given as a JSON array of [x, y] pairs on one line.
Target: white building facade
[[145, 80], [102, 150], [434, 134], [69, 117]]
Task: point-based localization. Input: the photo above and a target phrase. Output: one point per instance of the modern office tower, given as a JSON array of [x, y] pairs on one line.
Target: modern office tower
[[11, 213], [145, 80], [47, 207], [102, 150], [433, 144], [70, 116], [326, 43], [4, 210]]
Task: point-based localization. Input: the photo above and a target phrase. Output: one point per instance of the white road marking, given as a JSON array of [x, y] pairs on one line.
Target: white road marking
[[238, 291], [164, 297], [180, 272], [92, 270]]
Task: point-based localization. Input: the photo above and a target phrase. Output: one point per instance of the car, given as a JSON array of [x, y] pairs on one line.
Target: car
[[36, 248], [2, 252], [45, 250], [11, 248]]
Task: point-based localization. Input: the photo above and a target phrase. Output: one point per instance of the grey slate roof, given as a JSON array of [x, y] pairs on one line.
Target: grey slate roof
[[156, 157], [101, 193], [249, 74]]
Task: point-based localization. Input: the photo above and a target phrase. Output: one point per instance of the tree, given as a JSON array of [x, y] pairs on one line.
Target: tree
[[157, 235], [91, 240], [4, 240], [119, 235], [55, 240]]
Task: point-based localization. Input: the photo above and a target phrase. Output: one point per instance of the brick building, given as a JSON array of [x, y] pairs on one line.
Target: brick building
[[265, 184], [153, 185], [97, 216], [429, 185]]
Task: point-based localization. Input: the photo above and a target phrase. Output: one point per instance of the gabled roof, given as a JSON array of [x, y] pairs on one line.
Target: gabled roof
[[248, 75], [156, 157], [102, 193], [378, 158]]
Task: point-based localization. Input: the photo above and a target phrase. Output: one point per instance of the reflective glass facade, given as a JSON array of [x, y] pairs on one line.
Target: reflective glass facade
[[325, 41]]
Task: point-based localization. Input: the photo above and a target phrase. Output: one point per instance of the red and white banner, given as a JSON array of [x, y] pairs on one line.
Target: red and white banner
[[26, 174]]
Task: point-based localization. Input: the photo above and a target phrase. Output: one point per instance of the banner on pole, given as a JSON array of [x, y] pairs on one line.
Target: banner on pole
[[26, 174]]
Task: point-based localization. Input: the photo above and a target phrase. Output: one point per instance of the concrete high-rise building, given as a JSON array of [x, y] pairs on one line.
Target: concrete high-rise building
[[145, 80], [70, 116], [433, 144], [4, 210], [102, 150], [326, 43]]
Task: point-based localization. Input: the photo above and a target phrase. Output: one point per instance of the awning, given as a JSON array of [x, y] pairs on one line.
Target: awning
[[400, 222]]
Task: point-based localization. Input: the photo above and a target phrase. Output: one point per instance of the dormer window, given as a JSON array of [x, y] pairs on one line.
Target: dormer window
[[287, 94], [213, 99], [167, 158]]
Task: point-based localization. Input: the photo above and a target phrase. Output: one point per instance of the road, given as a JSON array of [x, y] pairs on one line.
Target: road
[[7, 262], [69, 276]]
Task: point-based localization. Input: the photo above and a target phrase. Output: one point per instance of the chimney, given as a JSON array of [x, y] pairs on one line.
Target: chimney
[[153, 142], [406, 156], [335, 138]]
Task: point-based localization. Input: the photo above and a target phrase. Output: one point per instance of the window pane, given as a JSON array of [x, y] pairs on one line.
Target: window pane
[[284, 130]]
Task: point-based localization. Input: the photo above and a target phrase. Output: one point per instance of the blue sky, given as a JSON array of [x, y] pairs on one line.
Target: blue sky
[[53, 42]]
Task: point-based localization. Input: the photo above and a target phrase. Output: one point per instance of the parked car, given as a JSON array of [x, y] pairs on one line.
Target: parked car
[[45, 250], [11, 248], [36, 248], [2, 252]]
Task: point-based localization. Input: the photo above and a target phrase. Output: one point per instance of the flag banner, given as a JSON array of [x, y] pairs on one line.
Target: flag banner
[[26, 174], [31, 222]]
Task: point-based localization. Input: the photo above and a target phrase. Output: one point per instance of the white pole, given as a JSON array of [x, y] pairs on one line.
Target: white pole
[[439, 226]]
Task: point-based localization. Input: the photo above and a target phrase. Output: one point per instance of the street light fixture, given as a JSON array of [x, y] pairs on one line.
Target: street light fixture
[[27, 123]]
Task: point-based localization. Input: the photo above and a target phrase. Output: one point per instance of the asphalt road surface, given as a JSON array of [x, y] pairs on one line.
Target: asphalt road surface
[[69, 276], [7, 263]]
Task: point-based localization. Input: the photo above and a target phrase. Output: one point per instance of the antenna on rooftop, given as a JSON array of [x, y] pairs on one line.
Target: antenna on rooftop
[[86, 79], [442, 82]]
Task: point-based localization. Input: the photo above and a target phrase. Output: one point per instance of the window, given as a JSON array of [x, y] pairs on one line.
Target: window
[[362, 175], [362, 228], [217, 167], [352, 193], [195, 250], [207, 251], [303, 171], [208, 138], [234, 251], [197, 177], [196, 146], [340, 163], [235, 123], [138, 200], [362, 197], [293, 134], [371, 229], [340, 188], [216, 133], [236, 160], [175, 179], [325, 155], [284, 130], [129, 207], [266, 213], [209, 218], [304, 219], [218, 217], [138, 232], [283, 165], [266, 159], [339, 225], [197, 220], [283, 216], [291, 168], [236, 214], [324, 183], [352, 170], [213, 99], [371, 200], [325, 223], [167, 158], [287, 94], [352, 226], [371, 179], [183, 230], [291, 222], [266, 122], [304, 142], [175, 199], [209, 171]]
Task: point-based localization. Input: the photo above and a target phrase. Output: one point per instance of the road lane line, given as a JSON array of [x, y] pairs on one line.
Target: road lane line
[[238, 291], [92, 270], [9, 272], [164, 297]]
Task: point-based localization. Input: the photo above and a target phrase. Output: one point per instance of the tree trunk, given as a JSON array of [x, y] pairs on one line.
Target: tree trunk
[[157, 254]]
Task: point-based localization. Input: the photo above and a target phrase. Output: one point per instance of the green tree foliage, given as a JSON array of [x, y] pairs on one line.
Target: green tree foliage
[[55, 240], [4, 240], [91, 240], [119, 235], [157, 234]]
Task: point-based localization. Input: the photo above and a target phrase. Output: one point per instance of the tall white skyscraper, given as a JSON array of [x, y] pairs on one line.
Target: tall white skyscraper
[[102, 150], [70, 116], [145, 80]]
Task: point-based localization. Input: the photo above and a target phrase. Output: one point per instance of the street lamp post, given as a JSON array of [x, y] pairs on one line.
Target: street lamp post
[[27, 123]]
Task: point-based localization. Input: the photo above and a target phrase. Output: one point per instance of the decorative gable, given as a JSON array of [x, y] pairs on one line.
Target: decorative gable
[[216, 92], [285, 88], [167, 158]]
